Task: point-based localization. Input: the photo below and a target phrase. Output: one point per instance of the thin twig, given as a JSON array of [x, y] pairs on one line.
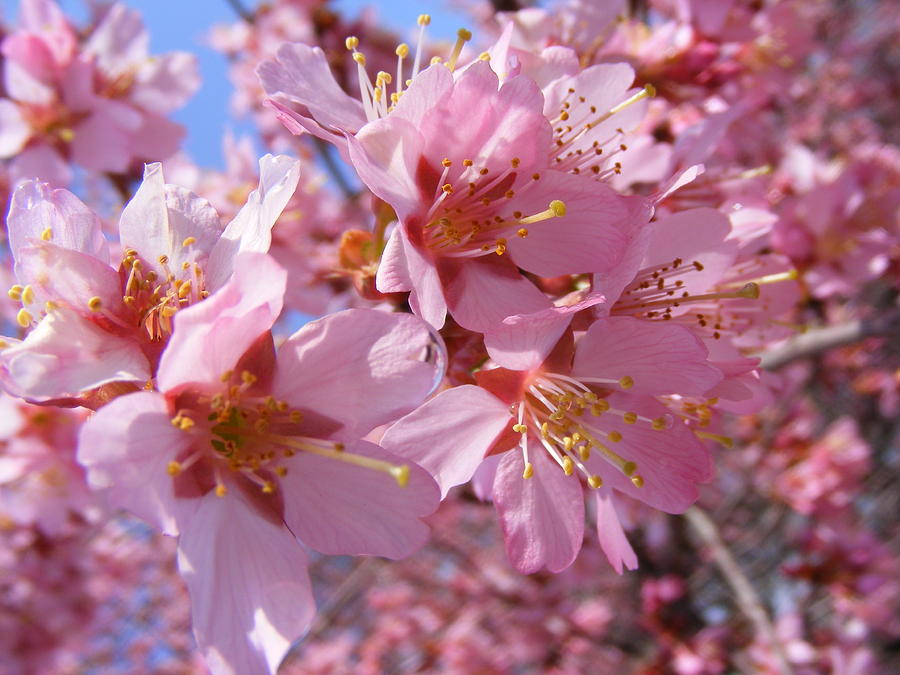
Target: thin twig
[[746, 597], [821, 340], [241, 11], [334, 170]]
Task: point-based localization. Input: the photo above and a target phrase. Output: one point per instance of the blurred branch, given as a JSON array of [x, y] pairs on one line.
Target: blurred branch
[[334, 170], [821, 340], [746, 597], [241, 11], [359, 578]]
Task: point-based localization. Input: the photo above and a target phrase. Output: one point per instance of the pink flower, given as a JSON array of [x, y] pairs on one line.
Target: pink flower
[[93, 324], [591, 412], [245, 448]]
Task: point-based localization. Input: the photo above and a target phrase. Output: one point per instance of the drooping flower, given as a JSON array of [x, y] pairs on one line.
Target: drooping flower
[[245, 449]]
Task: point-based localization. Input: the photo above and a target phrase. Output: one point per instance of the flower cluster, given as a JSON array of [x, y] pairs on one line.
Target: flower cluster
[[583, 242]]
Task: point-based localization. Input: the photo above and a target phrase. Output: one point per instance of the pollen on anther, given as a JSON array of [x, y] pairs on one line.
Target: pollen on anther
[[637, 481], [629, 468], [595, 482], [173, 468], [626, 382], [221, 490], [189, 241], [529, 470], [614, 436], [47, 234], [520, 428], [630, 418], [24, 318], [522, 232]]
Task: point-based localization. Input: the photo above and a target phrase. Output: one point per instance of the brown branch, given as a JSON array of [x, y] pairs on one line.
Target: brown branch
[[821, 340], [241, 11], [745, 596]]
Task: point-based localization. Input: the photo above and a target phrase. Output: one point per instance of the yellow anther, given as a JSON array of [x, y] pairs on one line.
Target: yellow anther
[[296, 416], [600, 406], [188, 241], [281, 471], [484, 56], [24, 318], [522, 232], [446, 163], [529, 470], [595, 481], [352, 42], [66, 134], [49, 306], [626, 382], [186, 424], [268, 487], [545, 430], [500, 247], [15, 292], [659, 423], [727, 441], [360, 58], [221, 490], [468, 162], [401, 474], [402, 50], [750, 290], [614, 436], [383, 78], [629, 468], [247, 377], [339, 447], [184, 290], [173, 468], [558, 207], [650, 89], [568, 466], [630, 418], [47, 234], [163, 259], [224, 377], [637, 481], [435, 60], [446, 187], [95, 304], [27, 295], [568, 443], [520, 428], [589, 397], [563, 115], [424, 19], [584, 452]]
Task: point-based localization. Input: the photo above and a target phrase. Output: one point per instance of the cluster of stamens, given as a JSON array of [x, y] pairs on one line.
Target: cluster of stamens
[[574, 147], [465, 218], [562, 414], [254, 436], [376, 97]]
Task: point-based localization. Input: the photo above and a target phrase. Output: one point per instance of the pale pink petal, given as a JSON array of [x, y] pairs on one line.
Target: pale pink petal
[[165, 82], [426, 90], [672, 461], [210, 337], [593, 235], [610, 533], [14, 130], [426, 299], [604, 85], [42, 162], [99, 144], [449, 435], [393, 270], [159, 218], [23, 86], [301, 75], [483, 479], [71, 277], [660, 358], [67, 354], [543, 516], [340, 508], [359, 368], [251, 228], [36, 207], [126, 447], [250, 591], [156, 139], [523, 341], [481, 292], [120, 41]]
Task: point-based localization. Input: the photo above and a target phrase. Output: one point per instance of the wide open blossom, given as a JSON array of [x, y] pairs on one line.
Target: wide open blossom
[[588, 411], [245, 449], [92, 323], [101, 104]]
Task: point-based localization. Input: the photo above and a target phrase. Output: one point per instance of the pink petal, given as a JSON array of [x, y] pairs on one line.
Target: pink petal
[[481, 292], [543, 516], [165, 82], [210, 337], [393, 270], [340, 508], [36, 206], [120, 41], [611, 535], [359, 368], [672, 462], [523, 341], [42, 162], [660, 358], [160, 217], [251, 228], [426, 90], [66, 354], [126, 447], [156, 139], [14, 130], [250, 591], [449, 435], [593, 236]]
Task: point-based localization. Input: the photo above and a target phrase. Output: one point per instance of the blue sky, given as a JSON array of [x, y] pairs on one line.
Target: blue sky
[[182, 25]]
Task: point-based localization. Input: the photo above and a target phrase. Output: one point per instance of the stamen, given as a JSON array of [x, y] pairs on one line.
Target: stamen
[[557, 209], [462, 37], [423, 20], [47, 234], [24, 318], [648, 91]]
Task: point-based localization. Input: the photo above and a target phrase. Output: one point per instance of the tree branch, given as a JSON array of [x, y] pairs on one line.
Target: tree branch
[[745, 596], [241, 11], [822, 339]]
